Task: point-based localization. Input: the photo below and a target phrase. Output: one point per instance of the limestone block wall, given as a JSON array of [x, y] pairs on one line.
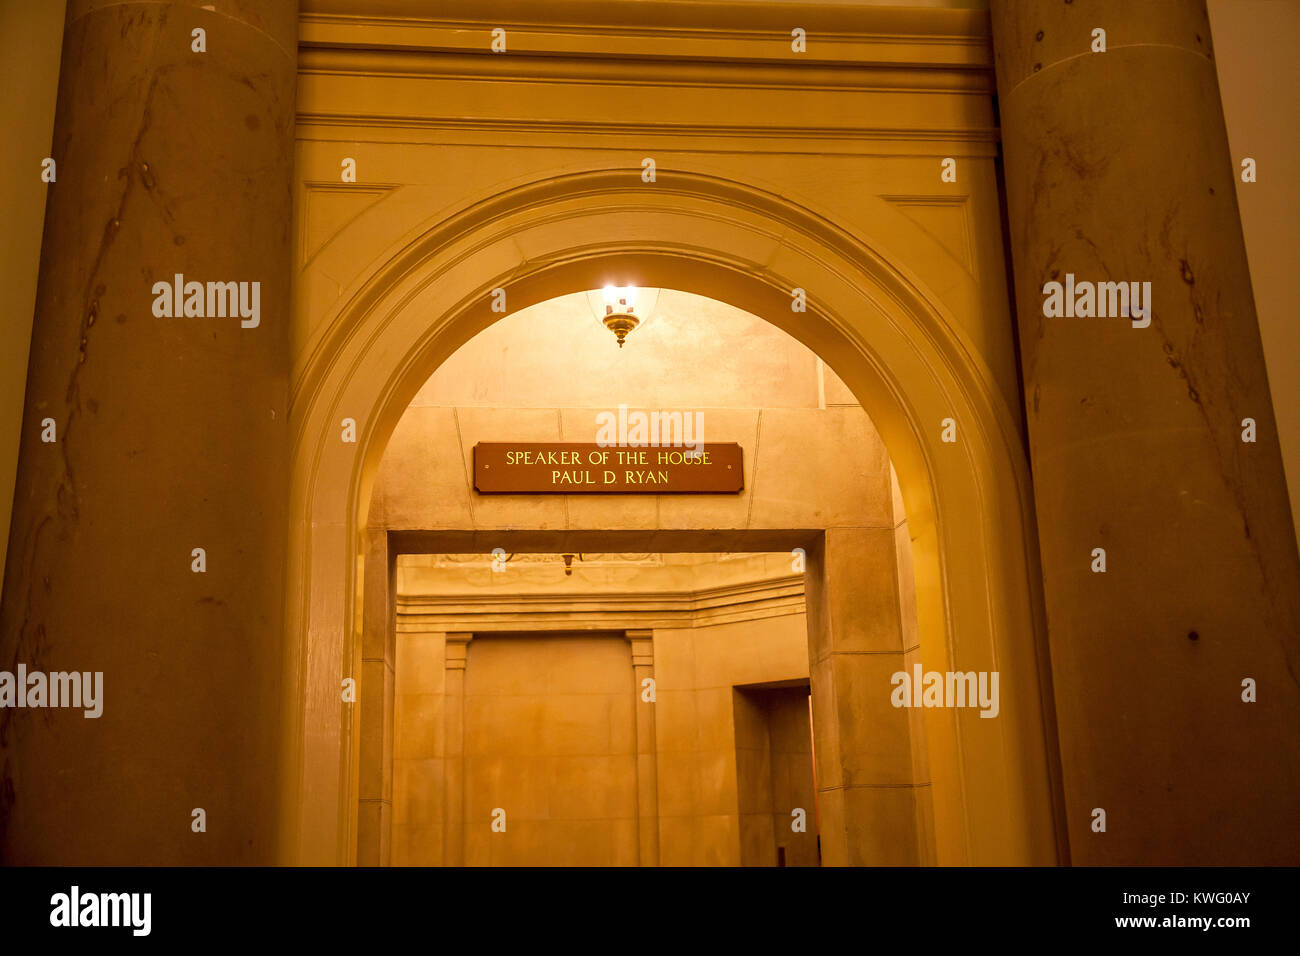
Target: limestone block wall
[[550, 742], [419, 754], [697, 669]]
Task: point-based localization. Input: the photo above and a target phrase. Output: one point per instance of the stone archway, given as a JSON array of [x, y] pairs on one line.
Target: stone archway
[[968, 502]]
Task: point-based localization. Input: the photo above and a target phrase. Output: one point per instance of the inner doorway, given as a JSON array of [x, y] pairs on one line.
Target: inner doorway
[[585, 712], [775, 775]]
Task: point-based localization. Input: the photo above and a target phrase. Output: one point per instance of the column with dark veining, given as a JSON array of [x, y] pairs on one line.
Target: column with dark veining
[[1169, 559], [148, 535]]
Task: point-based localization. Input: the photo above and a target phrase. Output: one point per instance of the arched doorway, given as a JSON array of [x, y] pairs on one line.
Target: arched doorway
[[910, 368], [482, 664]]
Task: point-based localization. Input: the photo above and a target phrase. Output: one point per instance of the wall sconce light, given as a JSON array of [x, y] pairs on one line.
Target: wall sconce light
[[620, 315], [568, 563], [617, 307]]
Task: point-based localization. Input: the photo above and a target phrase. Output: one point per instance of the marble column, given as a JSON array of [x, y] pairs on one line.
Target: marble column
[[173, 144], [1118, 170]]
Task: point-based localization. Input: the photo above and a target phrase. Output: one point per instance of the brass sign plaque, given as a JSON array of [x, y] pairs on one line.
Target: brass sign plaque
[[516, 468]]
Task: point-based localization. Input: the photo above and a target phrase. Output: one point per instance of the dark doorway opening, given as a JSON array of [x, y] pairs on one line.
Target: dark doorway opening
[[775, 779]]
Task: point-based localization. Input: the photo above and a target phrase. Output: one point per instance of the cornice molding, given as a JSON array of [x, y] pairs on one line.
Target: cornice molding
[[846, 32], [776, 597], [678, 52], [642, 68], [621, 132]]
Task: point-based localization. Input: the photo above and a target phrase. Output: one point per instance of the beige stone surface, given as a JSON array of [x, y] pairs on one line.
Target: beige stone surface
[[881, 826], [1259, 80], [173, 435], [863, 740], [1136, 443], [548, 740], [747, 381], [31, 37]]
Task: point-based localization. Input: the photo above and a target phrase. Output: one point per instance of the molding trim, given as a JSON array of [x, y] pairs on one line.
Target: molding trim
[[637, 611], [678, 47], [804, 139], [639, 68], [845, 32]]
